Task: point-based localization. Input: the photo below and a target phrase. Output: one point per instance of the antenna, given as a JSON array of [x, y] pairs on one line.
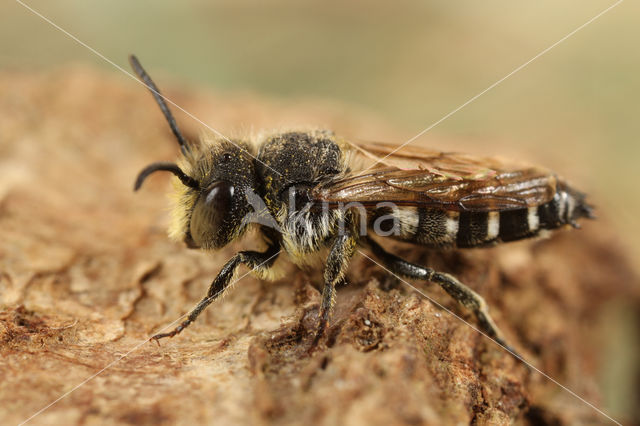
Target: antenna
[[137, 68], [166, 167]]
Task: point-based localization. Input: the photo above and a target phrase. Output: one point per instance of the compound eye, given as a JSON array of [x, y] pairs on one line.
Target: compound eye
[[219, 195], [212, 220]]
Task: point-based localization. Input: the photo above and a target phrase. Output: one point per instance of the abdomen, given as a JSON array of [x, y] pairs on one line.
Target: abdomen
[[444, 228]]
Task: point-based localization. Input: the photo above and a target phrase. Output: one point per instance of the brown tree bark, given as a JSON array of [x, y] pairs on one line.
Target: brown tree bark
[[87, 274]]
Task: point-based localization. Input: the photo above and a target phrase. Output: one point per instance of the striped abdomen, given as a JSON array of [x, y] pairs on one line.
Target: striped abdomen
[[442, 228]]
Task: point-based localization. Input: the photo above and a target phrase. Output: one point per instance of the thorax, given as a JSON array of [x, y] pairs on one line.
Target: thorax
[[289, 165]]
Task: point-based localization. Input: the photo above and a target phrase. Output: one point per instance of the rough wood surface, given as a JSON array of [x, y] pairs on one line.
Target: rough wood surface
[[87, 274]]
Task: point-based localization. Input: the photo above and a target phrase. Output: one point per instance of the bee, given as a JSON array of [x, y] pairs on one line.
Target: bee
[[312, 193]]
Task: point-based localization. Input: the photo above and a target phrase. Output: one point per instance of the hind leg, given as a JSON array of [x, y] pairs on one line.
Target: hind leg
[[463, 294]]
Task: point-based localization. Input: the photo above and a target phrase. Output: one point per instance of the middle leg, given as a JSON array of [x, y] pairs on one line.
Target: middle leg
[[337, 262]]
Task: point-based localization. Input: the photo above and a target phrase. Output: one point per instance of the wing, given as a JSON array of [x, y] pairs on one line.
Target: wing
[[419, 177]]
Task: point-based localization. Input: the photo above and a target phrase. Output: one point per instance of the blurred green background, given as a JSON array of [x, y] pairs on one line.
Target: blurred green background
[[407, 63]]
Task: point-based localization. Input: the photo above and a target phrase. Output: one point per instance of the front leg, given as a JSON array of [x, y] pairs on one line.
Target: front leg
[[252, 259], [463, 294], [341, 252]]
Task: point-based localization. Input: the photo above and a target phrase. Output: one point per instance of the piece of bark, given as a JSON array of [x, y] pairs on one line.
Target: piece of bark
[[87, 274]]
